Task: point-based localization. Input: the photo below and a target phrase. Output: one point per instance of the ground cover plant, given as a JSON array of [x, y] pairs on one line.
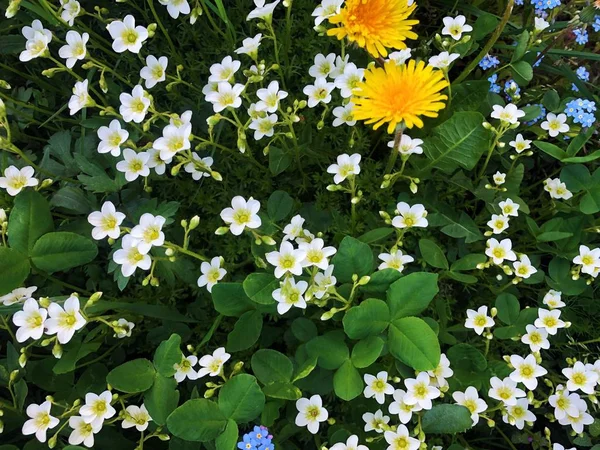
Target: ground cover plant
[[347, 225]]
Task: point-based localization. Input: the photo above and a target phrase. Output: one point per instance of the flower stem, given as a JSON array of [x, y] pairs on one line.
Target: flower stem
[[394, 154]]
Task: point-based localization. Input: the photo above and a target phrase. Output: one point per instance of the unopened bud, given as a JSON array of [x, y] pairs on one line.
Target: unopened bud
[[52, 441], [23, 360], [268, 240], [364, 280], [151, 29], [194, 222], [57, 350]]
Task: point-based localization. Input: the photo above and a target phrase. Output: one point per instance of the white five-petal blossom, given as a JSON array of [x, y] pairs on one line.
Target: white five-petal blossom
[[64, 320], [30, 321], [287, 259], [290, 294], [549, 320], [401, 440], [420, 391], [40, 420], [83, 432], [377, 386], [311, 413], [176, 7], [555, 124], [213, 364], [212, 273], [242, 214], [127, 36], [134, 106], [347, 166], [351, 444], [509, 114], [499, 251], [185, 368], [154, 71], [470, 400], [527, 371], [106, 222], [319, 92], [111, 137], [505, 390], [456, 26], [15, 180], [97, 408], [148, 233], [134, 164], [74, 50], [443, 60], [130, 257], [136, 416], [410, 216], [80, 97], [479, 320]]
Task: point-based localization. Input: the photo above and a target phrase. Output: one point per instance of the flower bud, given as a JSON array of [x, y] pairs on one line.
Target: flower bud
[[52, 441], [164, 437], [364, 280], [216, 176], [23, 360], [12, 9], [44, 302], [221, 231], [151, 29], [268, 240], [57, 350], [196, 12], [4, 84]]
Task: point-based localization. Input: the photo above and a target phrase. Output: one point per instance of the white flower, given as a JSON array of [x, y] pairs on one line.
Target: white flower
[[18, 295], [509, 114], [74, 50], [262, 10], [225, 70], [498, 223], [136, 416], [344, 115], [323, 282], [479, 320], [351, 444], [311, 413], [340, 66], [287, 259], [174, 140], [520, 144], [111, 138], [184, 369], [499, 251], [325, 10], [130, 258], [64, 320], [80, 98], [410, 216], [97, 408], [408, 146], [14, 180], [294, 229], [134, 164], [83, 432], [347, 166], [40, 420], [395, 260], [126, 36], [375, 422], [159, 165], [540, 24], [400, 57], [30, 321], [378, 387], [536, 338], [316, 254], [555, 124], [470, 400], [565, 404], [263, 126], [123, 328], [226, 96], [588, 259], [509, 208], [499, 178], [154, 71], [176, 7], [148, 233], [318, 92], [577, 422], [37, 42], [455, 27], [505, 390], [400, 439], [553, 299], [349, 79], [549, 320], [291, 293], [323, 66], [134, 106], [527, 370], [212, 273], [70, 10], [579, 377], [270, 97], [213, 364], [242, 214], [400, 407], [443, 60], [419, 391], [441, 372], [557, 189], [199, 167], [518, 414], [523, 267], [106, 222], [250, 46], [557, 446]]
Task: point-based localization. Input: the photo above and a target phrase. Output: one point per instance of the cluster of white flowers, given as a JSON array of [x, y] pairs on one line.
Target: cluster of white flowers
[[211, 365]]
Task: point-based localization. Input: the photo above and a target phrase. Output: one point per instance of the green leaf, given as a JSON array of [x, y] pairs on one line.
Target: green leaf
[[14, 267], [551, 149], [197, 420], [279, 205], [411, 294], [71, 198], [230, 299], [508, 308], [590, 203], [370, 318], [414, 343], [352, 257], [447, 419], [522, 72], [469, 95], [241, 399], [271, 365], [132, 377], [366, 351], [73, 352], [167, 355], [577, 177], [380, 281], [579, 141], [521, 48], [29, 219], [143, 309], [62, 251], [282, 390], [305, 368], [433, 254], [259, 287], [458, 142], [279, 160], [551, 100], [162, 398], [347, 382], [484, 25], [468, 262], [330, 349], [229, 438], [304, 329], [468, 363], [246, 331], [375, 235]]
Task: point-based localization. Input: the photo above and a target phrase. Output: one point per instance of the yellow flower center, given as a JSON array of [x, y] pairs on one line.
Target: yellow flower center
[[312, 412], [550, 322], [138, 105], [242, 216], [151, 234], [498, 252], [579, 378], [130, 36], [109, 222], [215, 366], [471, 405], [287, 262], [526, 371], [115, 140], [587, 260], [480, 321]]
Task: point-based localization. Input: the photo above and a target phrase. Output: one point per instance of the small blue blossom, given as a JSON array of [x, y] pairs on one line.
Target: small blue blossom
[[538, 61], [512, 90], [519, 2], [582, 74], [541, 116], [581, 111], [545, 4], [258, 439], [581, 36], [596, 24], [495, 88], [489, 62]]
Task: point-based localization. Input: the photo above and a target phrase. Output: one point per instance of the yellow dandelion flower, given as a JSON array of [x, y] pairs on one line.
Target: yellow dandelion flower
[[375, 24], [399, 93]]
